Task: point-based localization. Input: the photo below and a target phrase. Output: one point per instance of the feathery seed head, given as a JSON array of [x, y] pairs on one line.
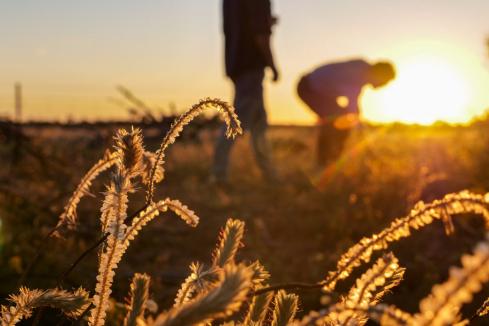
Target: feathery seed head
[[230, 240], [390, 316], [422, 215], [121, 183], [182, 211], [68, 219], [258, 309], [285, 308], [484, 309], [137, 299], [227, 113], [71, 303], [443, 305], [149, 161], [221, 301], [260, 274], [129, 146], [367, 292]]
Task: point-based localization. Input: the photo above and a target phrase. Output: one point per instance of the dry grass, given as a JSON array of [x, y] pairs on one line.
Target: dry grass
[[379, 176]]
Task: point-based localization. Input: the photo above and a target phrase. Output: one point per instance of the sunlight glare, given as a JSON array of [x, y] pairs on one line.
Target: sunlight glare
[[435, 84], [427, 89]]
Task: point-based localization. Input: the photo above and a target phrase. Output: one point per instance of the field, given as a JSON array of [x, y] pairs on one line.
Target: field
[[298, 227]]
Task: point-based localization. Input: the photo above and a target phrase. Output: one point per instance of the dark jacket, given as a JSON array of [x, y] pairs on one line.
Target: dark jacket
[[243, 20]]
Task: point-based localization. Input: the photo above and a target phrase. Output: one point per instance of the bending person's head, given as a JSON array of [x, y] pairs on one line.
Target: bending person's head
[[381, 73]]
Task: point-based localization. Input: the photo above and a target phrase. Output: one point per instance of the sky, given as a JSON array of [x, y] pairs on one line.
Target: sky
[[70, 55]]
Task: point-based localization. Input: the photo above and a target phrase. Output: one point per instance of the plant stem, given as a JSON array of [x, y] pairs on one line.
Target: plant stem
[[37, 256], [288, 286], [93, 247]]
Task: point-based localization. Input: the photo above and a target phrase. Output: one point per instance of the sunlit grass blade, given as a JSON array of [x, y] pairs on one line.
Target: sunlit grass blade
[[230, 240], [187, 288], [114, 212], [258, 309], [130, 150], [387, 315], [200, 279], [149, 160], [71, 303], [137, 299], [222, 300], [484, 309], [285, 308], [368, 290], [68, 218], [420, 216], [182, 211], [153, 210], [441, 307], [225, 110], [260, 274]]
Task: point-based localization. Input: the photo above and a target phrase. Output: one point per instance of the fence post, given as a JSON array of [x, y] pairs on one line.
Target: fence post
[[18, 102]]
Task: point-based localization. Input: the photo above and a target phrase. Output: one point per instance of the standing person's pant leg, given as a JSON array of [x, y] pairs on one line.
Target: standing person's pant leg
[[224, 144], [248, 102], [258, 127], [221, 156]]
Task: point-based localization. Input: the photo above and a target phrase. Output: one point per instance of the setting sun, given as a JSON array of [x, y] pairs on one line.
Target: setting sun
[[428, 88], [426, 91]]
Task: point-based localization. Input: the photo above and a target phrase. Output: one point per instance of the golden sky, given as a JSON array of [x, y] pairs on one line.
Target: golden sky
[[70, 55]]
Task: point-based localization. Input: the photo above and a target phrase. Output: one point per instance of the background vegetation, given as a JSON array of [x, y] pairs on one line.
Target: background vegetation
[[297, 228]]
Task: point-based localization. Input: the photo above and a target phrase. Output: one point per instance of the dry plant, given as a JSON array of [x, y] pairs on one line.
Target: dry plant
[[138, 299], [228, 292], [70, 303]]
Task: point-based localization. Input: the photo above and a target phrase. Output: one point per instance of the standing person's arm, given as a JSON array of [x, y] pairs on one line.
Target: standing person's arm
[[263, 42], [261, 25]]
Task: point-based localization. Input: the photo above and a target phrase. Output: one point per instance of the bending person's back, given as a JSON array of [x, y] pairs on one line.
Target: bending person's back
[[332, 91]]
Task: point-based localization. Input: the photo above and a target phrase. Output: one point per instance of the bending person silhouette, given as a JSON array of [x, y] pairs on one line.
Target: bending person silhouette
[[247, 30], [331, 91]]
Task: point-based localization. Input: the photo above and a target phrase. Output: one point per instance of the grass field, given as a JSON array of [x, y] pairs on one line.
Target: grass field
[[297, 228]]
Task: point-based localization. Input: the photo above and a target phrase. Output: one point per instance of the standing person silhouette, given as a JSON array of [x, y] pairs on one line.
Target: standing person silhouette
[[331, 91], [247, 28]]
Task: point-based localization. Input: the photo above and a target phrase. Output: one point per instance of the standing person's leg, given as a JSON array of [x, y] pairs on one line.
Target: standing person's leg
[[262, 148], [221, 156], [224, 144], [258, 127]]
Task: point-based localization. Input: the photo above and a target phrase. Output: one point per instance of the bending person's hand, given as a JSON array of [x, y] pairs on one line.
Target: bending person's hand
[[347, 121]]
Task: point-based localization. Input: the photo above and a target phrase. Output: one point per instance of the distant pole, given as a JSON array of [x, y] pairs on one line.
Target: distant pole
[[18, 102]]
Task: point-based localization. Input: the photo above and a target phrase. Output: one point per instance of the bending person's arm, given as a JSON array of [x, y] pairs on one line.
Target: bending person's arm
[[352, 107], [352, 94], [350, 118]]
